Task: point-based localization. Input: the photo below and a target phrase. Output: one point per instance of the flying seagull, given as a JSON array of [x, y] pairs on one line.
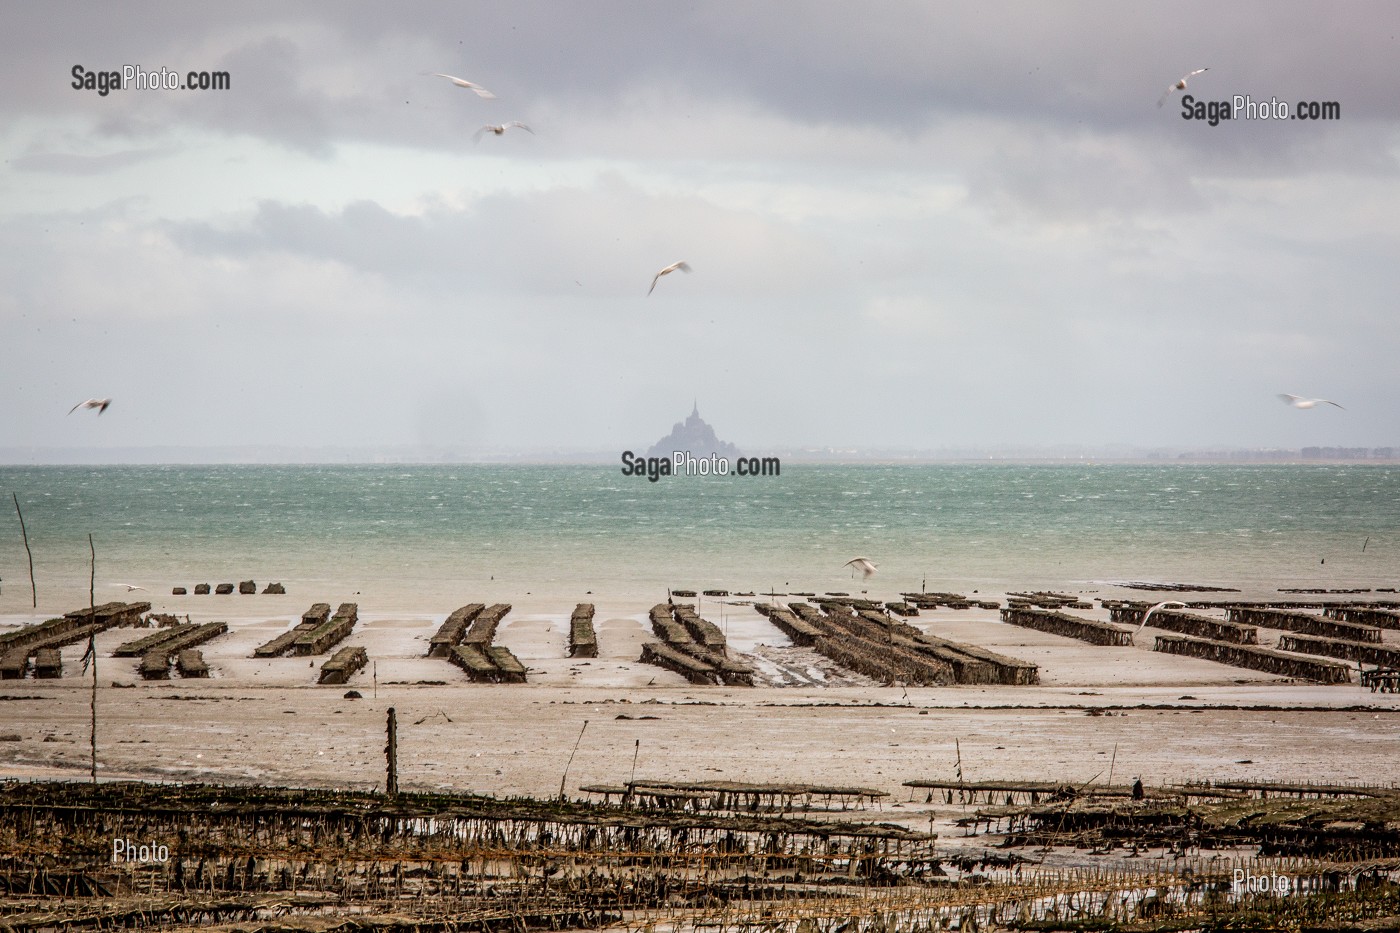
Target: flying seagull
[[861, 564], [1297, 401], [129, 586], [682, 265], [1169, 604], [99, 403], [1179, 86], [500, 128], [431, 715], [463, 82]]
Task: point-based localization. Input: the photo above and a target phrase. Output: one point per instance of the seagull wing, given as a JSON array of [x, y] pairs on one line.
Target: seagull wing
[[1179, 84], [99, 403], [463, 82], [522, 126], [1329, 402], [1148, 614], [488, 128], [682, 265], [1290, 399]]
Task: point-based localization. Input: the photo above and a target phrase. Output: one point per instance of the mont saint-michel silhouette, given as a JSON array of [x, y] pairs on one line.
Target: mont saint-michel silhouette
[[694, 436]]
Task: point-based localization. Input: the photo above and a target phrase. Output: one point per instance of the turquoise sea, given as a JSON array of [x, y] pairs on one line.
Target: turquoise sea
[[427, 538]]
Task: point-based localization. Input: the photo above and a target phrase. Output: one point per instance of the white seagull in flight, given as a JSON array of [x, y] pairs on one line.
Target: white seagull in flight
[[861, 564], [682, 265], [463, 82], [1169, 604], [1297, 401], [99, 403], [500, 128], [1179, 86], [129, 586]]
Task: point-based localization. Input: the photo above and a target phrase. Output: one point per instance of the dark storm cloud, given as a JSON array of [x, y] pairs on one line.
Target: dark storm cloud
[[313, 76], [1046, 111]]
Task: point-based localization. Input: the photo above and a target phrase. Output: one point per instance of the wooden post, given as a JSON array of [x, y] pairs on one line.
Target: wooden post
[[632, 781], [565, 775], [391, 753], [92, 652], [34, 591], [957, 746]]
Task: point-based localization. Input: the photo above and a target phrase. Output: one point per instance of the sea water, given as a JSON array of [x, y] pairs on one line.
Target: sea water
[[430, 538]]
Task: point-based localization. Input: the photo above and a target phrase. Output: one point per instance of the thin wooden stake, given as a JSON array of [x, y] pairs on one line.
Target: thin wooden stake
[[92, 650], [958, 766], [391, 753], [32, 588], [565, 776]]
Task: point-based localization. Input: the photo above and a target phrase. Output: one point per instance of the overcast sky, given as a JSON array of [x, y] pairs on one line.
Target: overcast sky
[[911, 224]]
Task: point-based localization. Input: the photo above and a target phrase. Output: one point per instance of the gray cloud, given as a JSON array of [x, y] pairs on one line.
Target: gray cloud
[[76, 163], [914, 224]]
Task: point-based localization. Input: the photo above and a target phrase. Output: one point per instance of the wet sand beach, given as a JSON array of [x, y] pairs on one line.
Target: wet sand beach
[[1161, 717]]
